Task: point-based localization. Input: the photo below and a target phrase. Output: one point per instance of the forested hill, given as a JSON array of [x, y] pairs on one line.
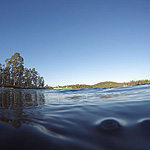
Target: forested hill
[[98, 85], [13, 74], [109, 84]]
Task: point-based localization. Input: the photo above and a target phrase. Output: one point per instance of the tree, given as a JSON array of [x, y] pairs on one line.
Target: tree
[[16, 64], [34, 74], [14, 74], [27, 77], [2, 71]]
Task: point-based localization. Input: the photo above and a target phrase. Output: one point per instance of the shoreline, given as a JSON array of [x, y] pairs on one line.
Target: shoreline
[[80, 86], [15, 87]]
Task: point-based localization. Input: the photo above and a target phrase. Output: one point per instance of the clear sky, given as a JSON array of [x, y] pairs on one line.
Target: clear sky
[[78, 41]]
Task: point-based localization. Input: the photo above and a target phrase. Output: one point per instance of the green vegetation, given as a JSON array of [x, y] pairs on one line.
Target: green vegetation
[[14, 75], [78, 86], [108, 84]]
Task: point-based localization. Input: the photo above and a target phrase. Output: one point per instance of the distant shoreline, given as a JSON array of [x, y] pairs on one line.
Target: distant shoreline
[[107, 84]]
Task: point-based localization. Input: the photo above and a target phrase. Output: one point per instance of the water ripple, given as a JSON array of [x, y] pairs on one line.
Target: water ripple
[[86, 119]]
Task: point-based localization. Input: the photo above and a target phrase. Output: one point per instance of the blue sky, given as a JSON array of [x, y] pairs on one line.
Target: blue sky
[[78, 41]]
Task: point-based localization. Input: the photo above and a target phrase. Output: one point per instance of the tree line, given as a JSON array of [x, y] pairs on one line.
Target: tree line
[[14, 74], [109, 84]]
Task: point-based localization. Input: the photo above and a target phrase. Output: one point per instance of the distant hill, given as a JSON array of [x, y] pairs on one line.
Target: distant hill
[[98, 85], [107, 84]]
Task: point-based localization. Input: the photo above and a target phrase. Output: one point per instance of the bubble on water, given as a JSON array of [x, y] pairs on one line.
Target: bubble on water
[[108, 124], [144, 123]]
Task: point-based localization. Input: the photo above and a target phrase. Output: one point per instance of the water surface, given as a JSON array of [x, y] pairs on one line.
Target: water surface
[[82, 119]]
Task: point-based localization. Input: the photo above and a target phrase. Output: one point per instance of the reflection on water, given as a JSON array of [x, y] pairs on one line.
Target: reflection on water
[[13, 104], [87, 119]]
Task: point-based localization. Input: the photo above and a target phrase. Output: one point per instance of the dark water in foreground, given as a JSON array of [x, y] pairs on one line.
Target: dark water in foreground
[[86, 119]]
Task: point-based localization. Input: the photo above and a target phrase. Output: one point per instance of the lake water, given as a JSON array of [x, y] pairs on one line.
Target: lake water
[[85, 119]]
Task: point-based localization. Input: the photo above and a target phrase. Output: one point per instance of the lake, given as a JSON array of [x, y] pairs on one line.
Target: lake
[[75, 119]]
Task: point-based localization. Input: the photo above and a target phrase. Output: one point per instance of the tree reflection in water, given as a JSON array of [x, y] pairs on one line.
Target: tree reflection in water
[[15, 105]]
